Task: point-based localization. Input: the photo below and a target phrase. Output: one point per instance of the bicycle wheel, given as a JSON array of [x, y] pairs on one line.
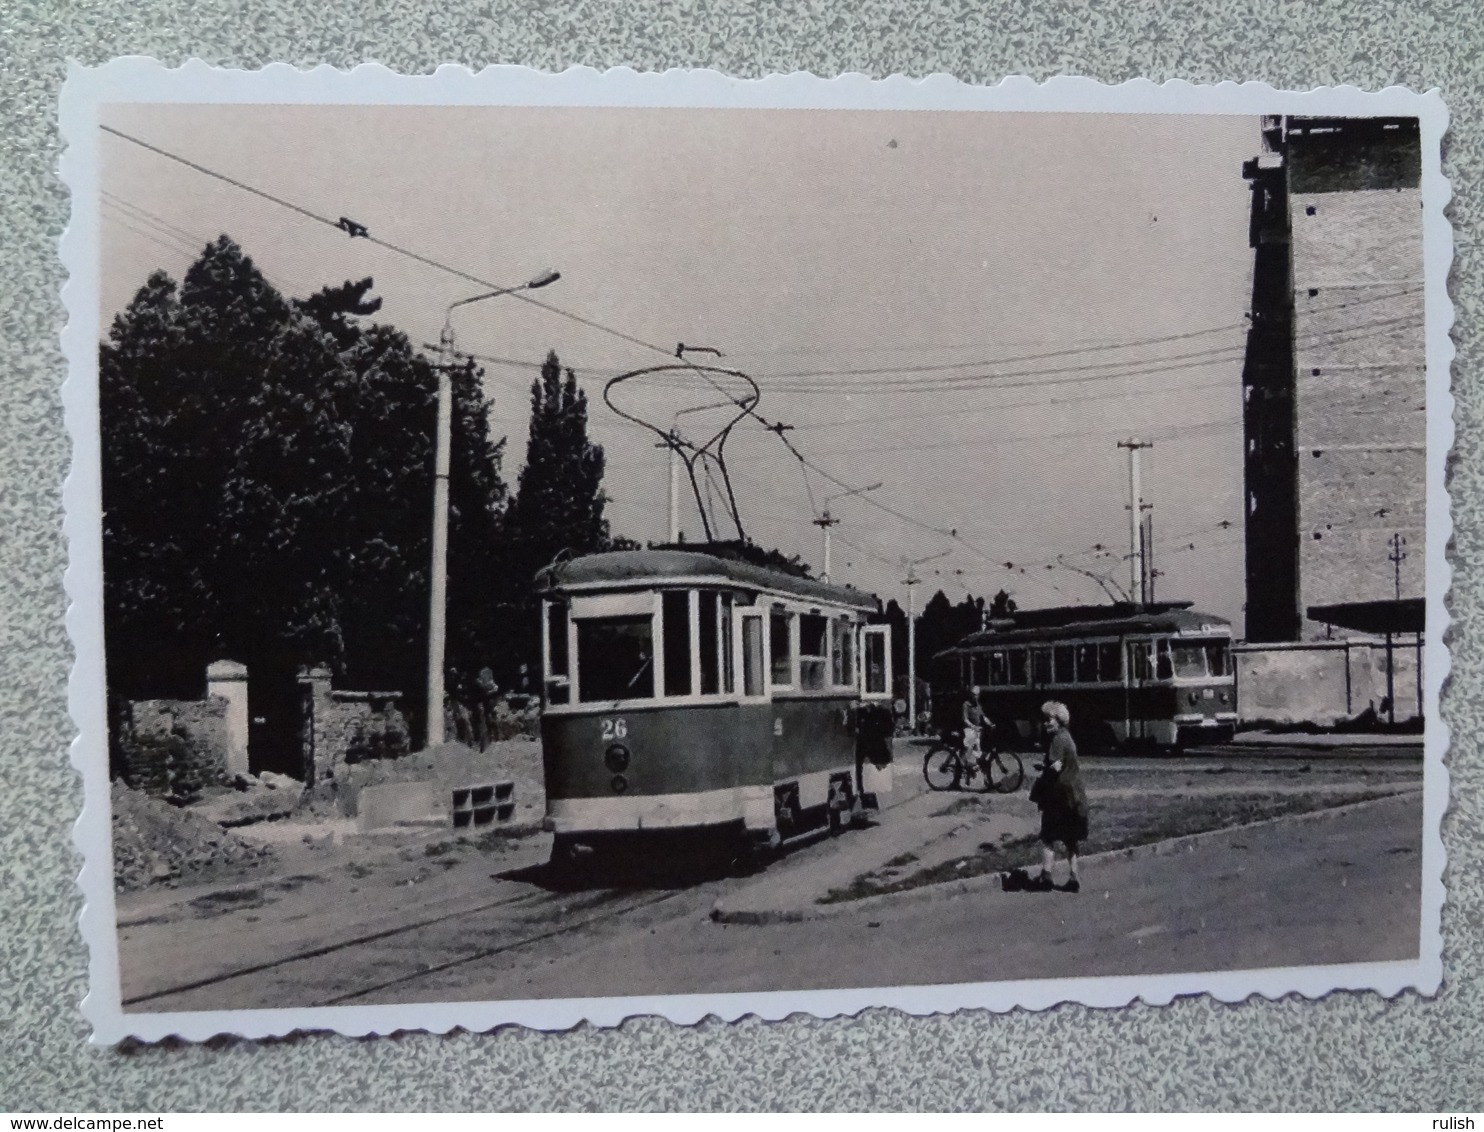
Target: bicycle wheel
[[941, 768], [1005, 772]]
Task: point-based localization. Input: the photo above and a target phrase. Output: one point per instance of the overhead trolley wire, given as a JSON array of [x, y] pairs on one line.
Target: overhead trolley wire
[[358, 231]]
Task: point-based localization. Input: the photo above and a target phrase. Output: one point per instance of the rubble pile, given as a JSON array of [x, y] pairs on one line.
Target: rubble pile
[[156, 843], [251, 798]]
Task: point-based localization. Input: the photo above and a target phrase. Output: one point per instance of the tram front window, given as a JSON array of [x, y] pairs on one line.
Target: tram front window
[[557, 685], [1189, 660], [615, 658], [676, 610]]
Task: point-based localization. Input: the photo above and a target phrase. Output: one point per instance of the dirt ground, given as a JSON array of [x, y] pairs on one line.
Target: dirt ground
[[345, 916]]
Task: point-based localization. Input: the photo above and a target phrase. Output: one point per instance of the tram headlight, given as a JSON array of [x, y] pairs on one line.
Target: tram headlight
[[1192, 697], [616, 758], [619, 784]]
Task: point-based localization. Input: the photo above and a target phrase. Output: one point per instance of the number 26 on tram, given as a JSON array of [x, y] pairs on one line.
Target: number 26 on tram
[[685, 691]]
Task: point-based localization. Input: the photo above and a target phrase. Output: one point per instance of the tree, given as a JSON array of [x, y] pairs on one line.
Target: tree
[[559, 502], [1002, 605], [267, 480]]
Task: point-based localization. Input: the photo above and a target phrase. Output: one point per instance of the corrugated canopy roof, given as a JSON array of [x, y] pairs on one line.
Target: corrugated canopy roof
[[1403, 615]]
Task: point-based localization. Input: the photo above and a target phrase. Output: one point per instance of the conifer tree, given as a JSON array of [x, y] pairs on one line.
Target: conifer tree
[[559, 502]]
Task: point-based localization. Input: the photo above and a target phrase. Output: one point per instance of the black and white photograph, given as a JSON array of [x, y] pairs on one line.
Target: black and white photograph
[[548, 549]]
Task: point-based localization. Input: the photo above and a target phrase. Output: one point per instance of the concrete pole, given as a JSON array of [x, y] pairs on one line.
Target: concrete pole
[[1135, 517], [911, 584], [824, 523], [674, 489], [438, 589]]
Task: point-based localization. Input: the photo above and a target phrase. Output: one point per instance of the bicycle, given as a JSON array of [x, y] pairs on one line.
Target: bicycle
[[947, 766]]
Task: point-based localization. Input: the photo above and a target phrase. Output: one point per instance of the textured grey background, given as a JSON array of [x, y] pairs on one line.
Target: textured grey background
[[1348, 1051]]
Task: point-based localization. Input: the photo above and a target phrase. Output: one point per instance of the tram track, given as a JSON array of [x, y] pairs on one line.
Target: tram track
[[322, 950], [604, 905], [489, 952]]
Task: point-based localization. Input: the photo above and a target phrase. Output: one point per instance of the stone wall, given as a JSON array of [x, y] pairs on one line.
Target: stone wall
[[343, 728], [174, 746], [1324, 683]]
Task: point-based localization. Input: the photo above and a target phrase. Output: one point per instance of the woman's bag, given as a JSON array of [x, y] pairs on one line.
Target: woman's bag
[[1041, 788]]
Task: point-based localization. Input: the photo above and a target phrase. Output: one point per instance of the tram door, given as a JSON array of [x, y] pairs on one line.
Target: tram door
[[1136, 705], [752, 649], [875, 688]]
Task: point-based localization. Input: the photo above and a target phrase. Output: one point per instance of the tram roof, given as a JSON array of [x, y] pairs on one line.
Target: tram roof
[[638, 568], [1038, 625]]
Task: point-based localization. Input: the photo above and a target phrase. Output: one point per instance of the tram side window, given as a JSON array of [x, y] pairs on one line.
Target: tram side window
[[1218, 658], [676, 609], [752, 656], [1110, 668], [1087, 664], [780, 638], [1138, 661], [1064, 656], [1017, 666], [813, 651], [615, 658], [999, 669], [558, 686], [1163, 671], [981, 669], [842, 652], [1041, 667], [710, 659], [728, 676], [874, 660]]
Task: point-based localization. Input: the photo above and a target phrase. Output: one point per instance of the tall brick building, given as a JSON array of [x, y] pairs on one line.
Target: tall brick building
[[1334, 378]]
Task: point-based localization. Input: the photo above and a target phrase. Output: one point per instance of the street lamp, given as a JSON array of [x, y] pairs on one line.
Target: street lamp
[[825, 522], [911, 581], [438, 589]]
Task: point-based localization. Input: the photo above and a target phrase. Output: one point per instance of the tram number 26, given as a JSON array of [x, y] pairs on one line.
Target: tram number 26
[[615, 729]]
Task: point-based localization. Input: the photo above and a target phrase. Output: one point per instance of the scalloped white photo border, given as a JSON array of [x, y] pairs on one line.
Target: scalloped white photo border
[[142, 80]]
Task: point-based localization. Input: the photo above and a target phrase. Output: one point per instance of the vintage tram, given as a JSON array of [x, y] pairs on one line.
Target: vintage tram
[[688, 689], [1132, 676]]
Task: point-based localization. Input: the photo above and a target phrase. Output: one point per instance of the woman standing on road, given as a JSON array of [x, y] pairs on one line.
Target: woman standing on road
[[1061, 797]]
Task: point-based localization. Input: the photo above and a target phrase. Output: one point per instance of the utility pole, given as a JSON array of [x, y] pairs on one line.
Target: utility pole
[[1398, 556], [443, 442], [1135, 547], [673, 445], [826, 521], [911, 581], [438, 585], [1146, 552]]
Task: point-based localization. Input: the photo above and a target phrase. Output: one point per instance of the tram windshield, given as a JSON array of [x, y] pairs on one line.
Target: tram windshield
[[615, 658]]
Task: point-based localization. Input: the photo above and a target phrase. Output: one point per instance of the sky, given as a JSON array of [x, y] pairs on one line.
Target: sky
[[970, 308]]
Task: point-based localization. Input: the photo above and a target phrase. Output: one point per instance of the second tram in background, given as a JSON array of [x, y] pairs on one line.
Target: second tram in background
[[1151, 676]]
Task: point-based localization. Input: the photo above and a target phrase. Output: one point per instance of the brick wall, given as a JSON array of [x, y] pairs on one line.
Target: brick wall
[[174, 746], [1360, 418]]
